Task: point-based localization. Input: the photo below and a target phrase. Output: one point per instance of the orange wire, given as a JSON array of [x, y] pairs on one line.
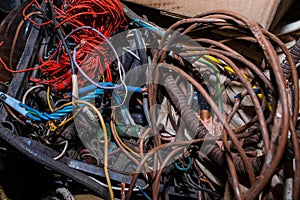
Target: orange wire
[[78, 14], [26, 17], [107, 16], [24, 70], [19, 71]]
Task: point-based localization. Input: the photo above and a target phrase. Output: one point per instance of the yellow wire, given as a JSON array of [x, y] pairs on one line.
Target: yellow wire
[[67, 120], [214, 62], [126, 147], [105, 145], [62, 106], [48, 99], [228, 68], [213, 59], [232, 71], [260, 96]]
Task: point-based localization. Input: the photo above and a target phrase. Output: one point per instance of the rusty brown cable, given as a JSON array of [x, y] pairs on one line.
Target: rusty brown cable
[[141, 146], [164, 44], [13, 115], [158, 148], [119, 144], [156, 185], [219, 115], [268, 83], [141, 142], [294, 73], [268, 121], [152, 94], [296, 182], [244, 38], [264, 130], [17, 35], [231, 167], [235, 182], [265, 134], [274, 65]]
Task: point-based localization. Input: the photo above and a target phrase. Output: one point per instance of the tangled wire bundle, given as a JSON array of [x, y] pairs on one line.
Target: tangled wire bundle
[[228, 60], [271, 124], [104, 16]]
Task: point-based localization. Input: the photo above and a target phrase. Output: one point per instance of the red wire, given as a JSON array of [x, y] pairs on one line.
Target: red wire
[[18, 71], [29, 19], [24, 70], [92, 57], [83, 13]]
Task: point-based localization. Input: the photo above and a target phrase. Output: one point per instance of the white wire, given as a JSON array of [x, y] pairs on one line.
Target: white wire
[[120, 66], [28, 91], [132, 53], [64, 150], [89, 154], [100, 86], [136, 189]]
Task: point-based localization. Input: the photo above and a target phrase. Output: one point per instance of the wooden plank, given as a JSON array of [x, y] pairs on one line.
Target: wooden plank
[[262, 11]]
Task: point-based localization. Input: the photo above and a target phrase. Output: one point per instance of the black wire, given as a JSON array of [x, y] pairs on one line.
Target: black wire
[[59, 32]]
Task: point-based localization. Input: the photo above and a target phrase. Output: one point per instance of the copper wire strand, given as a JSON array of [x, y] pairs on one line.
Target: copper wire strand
[[270, 55], [142, 139], [156, 185], [114, 133], [153, 151], [218, 114], [293, 70], [16, 37], [13, 115], [253, 97], [259, 37]]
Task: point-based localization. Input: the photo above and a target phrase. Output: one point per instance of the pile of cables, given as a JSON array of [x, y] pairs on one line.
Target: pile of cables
[[73, 17], [273, 96], [202, 110]]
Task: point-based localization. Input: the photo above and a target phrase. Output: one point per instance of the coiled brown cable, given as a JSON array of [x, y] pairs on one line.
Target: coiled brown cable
[[274, 83]]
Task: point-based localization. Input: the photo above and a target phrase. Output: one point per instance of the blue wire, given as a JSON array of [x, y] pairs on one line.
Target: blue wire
[[149, 26], [106, 84], [256, 90], [32, 117], [93, 87], [123, 109], [143, 192], [67, 109], [113, 146], [90, 96], [39, 114], [51, 117], [185, 168], [58, 114]]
